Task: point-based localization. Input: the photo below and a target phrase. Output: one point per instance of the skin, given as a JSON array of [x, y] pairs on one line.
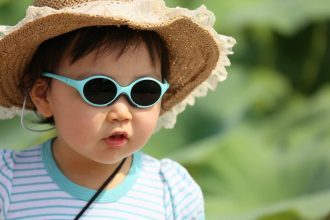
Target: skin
[[80, 149]]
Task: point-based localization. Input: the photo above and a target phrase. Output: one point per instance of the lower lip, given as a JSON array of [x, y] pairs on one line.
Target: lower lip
[[115, 142]]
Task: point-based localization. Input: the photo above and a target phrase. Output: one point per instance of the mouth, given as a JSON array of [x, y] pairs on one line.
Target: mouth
[[119, 135], [117, 139]]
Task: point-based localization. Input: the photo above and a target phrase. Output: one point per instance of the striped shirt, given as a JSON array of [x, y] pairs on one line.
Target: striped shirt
[[33, 187]]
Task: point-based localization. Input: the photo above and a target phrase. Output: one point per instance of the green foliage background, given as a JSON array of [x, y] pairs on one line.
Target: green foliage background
[[259, 144]]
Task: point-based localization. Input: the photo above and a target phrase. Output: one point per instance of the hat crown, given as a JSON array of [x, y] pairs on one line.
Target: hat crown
[[58, 4]]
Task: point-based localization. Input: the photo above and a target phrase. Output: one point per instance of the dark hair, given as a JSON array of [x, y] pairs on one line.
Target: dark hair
[[79, 43]]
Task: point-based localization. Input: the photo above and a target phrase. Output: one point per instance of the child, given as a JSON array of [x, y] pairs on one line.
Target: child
[[106, 74]]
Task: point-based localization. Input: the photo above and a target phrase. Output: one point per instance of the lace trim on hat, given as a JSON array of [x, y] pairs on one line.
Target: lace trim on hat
[[225, 44], [4, 30], [8, 113], [145, 11]]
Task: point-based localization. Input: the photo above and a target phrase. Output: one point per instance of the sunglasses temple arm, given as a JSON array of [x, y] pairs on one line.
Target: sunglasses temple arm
[[166, 86], [68, 81]]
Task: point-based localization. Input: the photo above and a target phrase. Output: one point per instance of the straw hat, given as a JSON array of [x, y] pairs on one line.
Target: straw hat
[[197, 54]]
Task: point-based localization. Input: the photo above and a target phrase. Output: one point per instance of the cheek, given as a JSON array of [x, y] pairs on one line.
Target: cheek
[[74, 123], [145, 123], [73, 118], [79, 129]]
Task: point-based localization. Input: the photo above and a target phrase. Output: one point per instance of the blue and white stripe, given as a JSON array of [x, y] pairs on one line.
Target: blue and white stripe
[[31, 187]]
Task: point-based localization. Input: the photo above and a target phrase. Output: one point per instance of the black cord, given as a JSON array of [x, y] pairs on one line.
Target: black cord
[[100, 190]]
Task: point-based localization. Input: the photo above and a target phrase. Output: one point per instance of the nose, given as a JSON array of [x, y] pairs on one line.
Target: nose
[[120, 111]]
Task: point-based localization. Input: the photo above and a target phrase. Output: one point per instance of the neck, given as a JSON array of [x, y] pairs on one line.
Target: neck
[[88, 173]]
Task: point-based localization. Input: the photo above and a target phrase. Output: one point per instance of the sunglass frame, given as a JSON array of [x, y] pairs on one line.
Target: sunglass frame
[[126, 90]]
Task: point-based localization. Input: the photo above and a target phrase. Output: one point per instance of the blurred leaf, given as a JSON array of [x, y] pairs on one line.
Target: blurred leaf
[[288, 215], [284, 16], [3, 2], [12, 11], [13, 136]]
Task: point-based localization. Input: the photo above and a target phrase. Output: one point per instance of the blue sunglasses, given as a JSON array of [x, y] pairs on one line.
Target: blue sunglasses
[[100, 91]]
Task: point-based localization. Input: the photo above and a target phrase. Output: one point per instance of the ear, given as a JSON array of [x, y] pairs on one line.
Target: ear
[[39, 96]]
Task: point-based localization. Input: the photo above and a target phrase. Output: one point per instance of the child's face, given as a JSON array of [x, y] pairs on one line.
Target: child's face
[[88, 131]]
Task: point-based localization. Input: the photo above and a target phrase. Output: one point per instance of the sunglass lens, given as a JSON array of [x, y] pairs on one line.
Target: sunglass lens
[[145, 92], [100, 91]]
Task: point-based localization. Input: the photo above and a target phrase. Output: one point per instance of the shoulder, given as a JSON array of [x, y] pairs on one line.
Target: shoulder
[[172, 173], [6, 178], [6, 165], [168, 169], [10, 162], [184, 196], [10, 159]]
